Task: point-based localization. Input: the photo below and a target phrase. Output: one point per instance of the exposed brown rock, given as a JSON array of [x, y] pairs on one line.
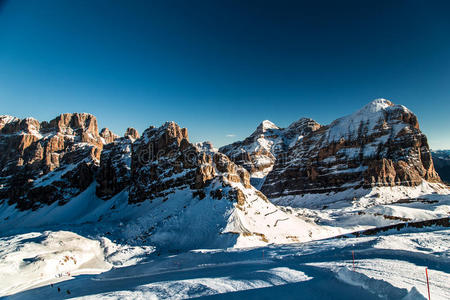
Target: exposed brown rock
[[132, 133], [31, 150], [108, 136], [380, 145], [164, 160], [258, 152], [115, 168], [73, 123]]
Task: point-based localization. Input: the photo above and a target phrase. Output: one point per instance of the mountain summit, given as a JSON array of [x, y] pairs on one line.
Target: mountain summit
[[175, 194]]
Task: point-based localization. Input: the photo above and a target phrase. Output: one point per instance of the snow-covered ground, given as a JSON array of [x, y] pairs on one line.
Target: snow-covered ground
[[177, 223], [358, 209], [388, 266], [35, 259], [111, 249]]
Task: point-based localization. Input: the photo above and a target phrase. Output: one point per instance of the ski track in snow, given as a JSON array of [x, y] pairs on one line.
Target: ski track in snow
[[115, 259], [388, 266]]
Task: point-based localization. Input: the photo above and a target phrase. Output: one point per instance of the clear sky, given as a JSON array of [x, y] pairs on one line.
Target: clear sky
[[221, 67]]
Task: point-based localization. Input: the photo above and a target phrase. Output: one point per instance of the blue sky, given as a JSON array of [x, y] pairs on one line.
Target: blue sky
[[221, 67]]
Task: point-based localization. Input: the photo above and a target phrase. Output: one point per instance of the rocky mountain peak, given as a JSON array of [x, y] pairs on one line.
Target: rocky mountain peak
[[69, 145], [131, 133], [376, 105], [173, 130], [30, 125], [302, 123], [378, 145], [74, 123], [13, 125], [265, 126], [206, 147], [373, 117], [300, 128], [5, 119], [164, 136], [258, 152], [108, 136]]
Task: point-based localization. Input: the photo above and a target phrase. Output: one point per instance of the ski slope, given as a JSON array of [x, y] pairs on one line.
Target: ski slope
[[387, 266]]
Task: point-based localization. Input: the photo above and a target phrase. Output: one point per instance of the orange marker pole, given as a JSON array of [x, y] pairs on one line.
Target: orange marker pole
[[428, 284]]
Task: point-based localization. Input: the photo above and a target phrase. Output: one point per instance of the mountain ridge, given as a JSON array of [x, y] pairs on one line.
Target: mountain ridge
[[160, 183], [379, 144]]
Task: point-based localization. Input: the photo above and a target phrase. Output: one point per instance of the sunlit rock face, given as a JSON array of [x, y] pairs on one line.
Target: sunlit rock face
[[258, 153], [379, 145], [163, 161], [108, 136], [46, 162], [42, 163]]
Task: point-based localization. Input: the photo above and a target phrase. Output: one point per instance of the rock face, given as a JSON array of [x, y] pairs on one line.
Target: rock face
[[161, 162], [115, 167], [258, 153], [164, 160], [206, 147], [192, 195], [160, 184], [379, 145], [46, 162], [132, 133], [108, 136]]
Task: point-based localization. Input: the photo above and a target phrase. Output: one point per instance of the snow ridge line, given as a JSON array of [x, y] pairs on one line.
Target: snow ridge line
[[441, 222]]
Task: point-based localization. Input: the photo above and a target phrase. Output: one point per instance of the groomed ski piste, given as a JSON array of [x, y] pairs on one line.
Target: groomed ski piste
[[73, 251], [389, 265]]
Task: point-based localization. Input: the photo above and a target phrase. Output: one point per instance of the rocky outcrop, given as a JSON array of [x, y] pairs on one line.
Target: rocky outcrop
[[163, 161], [115, 167], [108, 136], [131, 133], [258, 153], [194, 190], [379, 145], [46, 162], [206, 147]]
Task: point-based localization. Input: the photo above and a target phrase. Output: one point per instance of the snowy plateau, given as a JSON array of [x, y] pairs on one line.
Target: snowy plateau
[[346, 210]]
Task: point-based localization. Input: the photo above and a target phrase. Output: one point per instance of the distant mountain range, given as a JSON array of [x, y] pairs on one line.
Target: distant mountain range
[[441, 160], [152, 187]]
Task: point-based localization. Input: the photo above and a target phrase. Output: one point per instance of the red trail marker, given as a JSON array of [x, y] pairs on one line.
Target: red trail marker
[[428, 284]]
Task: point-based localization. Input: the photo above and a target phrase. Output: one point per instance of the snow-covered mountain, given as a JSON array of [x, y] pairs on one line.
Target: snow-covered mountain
[[43, 163], [169, 193], [75, 201], [57, 164], [258, 153], [378, 145]]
